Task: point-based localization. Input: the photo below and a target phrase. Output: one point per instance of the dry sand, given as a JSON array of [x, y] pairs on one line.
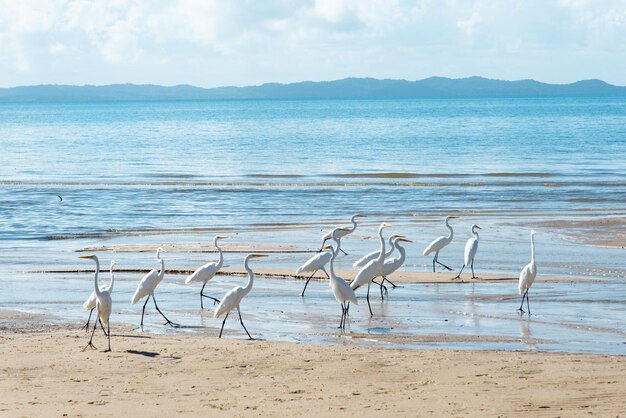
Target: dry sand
[[45, 373]]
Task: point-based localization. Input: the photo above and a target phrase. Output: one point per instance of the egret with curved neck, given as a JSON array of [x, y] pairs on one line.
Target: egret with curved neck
[[391, 265], [341, 289], [373, 269], [470, 252], [148, 284], [439, 243], [345, 230], [374, 254], [90, 303], [207, 272], [528, 274], [233, 298], [103, 304], [318, 262]]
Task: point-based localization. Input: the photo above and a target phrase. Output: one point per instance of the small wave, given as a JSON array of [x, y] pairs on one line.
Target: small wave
[[527, 174]]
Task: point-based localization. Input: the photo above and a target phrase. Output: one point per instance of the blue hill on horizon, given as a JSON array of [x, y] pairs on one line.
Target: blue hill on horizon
[[348, 88]]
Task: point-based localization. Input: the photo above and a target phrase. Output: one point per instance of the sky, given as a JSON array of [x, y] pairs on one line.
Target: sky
[[212, 43]]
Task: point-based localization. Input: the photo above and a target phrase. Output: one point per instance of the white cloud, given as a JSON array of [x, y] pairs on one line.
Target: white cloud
[[214, 42]]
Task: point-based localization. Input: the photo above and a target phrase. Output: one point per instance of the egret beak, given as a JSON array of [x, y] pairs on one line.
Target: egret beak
[[478, 227], [453, 217], [386, 225], [221, 237], [259, 255], [86, 256], [404, 240], [359, 215], [113, 262], [344, 229], [161, 250], [327, 247]]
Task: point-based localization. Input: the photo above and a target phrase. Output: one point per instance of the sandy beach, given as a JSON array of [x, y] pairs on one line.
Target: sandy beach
[[44, 372]]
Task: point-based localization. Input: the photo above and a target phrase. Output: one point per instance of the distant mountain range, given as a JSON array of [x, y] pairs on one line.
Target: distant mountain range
[[348, 88]]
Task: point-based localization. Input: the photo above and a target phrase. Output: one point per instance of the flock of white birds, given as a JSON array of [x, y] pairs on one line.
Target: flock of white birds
[[377, 264]]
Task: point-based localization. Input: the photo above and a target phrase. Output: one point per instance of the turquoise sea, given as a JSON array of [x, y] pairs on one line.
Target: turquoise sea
[[77, 175]]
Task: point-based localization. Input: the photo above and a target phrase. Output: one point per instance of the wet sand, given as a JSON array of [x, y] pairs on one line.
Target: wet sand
[[46, 373]]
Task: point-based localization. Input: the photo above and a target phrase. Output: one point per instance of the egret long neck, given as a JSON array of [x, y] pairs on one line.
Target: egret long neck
[[220, 260], [391, 246], [335, 251], [381, 254], [112, 278], [402, 252], [475, 232], [353, 223], [162, 269], [451, 234], [95, 277], [532, 249], [248, 286]]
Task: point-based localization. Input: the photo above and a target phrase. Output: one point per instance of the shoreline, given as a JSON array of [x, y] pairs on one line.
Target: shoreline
[[192, 375]]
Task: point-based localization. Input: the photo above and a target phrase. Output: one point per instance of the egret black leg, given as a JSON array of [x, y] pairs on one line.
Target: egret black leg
[[344, 253], [382, 286], [157, 308], [90, 344], [307, 283], [343, 315], [458, 276], [368, 299], [522, 304], [527, 302], [440, 263], [202, 295], [322, 247], [434, 259], [143, 311], [473, 275], [109, 335], [86, 326], [390, 282], [223, 322], [347, 308], [244, 327], [102, 326]]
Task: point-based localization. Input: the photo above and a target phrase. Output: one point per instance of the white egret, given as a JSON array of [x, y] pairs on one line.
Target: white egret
[[393, 264], [146, 287], [439, 243], [90, 303], [233, 298], [341, 289], [471, 246], [207, 272], [345, 230], [318, 262], [103, 304], [372, 269], [374, 254], [528, 274]]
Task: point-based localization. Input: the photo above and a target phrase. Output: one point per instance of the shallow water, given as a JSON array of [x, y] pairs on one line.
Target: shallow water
[[282, 172], [566, 317]]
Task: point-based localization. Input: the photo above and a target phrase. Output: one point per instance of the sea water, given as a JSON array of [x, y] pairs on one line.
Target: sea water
[[74, 175]]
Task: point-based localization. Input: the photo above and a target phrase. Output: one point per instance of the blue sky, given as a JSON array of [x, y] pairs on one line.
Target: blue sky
[[218, 42]]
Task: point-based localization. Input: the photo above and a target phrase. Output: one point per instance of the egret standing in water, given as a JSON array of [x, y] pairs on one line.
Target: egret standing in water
[[90, 303], [345, 230], [318, 261], [439, 243], [146, 287], [528, 274], [391, 265], [341, 289], [470, 252], [103, 305], [233, 298], [207, 272], [372, 269]]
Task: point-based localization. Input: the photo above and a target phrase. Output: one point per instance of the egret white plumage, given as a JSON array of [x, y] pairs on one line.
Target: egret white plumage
[[90, 303], [345, 230], [372, 269], [207, 272], [314, 264], [341, 289], [471, 246], [103, 304], [148, 284], [393, 264], [528, 274], [233, 298], [439, 243], [374, 254]]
